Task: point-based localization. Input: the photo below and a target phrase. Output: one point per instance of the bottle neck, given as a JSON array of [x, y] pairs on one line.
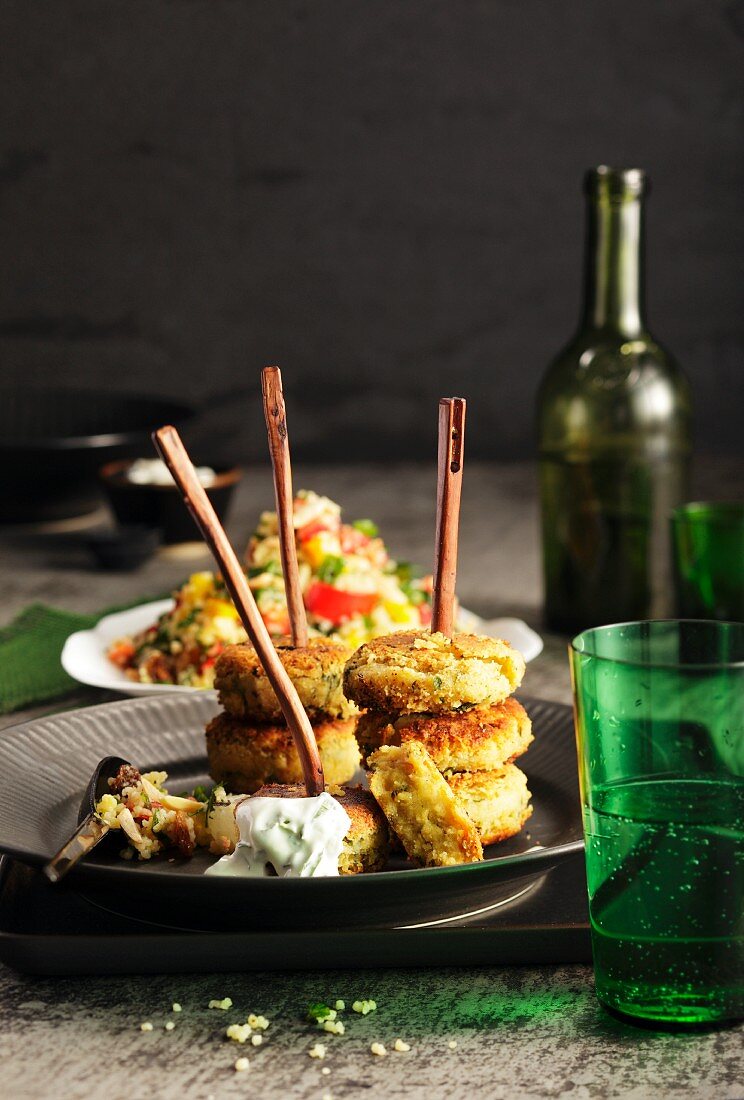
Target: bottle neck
[[613, 273]]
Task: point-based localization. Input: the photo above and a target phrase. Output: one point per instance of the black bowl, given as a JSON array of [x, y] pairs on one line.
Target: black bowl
[[123, 548], [161, 506], [52, 444]]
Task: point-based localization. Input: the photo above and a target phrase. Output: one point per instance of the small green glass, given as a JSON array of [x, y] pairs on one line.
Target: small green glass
[[708, 549], [659, 710]]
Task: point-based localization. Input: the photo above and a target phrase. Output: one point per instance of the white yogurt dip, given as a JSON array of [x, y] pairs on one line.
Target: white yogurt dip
[[297, 837]]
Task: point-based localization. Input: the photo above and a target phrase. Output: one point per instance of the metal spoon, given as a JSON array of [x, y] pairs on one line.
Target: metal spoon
[[92, 829]]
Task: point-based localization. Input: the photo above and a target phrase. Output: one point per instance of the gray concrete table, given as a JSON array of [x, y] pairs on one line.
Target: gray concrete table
[[527, 1032]]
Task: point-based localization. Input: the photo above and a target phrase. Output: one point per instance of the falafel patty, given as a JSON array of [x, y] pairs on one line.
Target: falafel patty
[[243, 757], [479, 739], [415, 670], [421, 808], [366, 846], [497, 802], [316, 670]]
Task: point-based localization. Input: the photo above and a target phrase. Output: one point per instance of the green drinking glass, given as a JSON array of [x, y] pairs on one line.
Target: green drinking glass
[[659, 710], [708, 549]]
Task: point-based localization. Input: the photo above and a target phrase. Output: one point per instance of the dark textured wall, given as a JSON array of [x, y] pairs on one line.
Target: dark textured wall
[[383, 197]]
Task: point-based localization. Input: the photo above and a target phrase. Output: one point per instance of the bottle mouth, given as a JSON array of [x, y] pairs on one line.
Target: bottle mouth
[[616, 184]]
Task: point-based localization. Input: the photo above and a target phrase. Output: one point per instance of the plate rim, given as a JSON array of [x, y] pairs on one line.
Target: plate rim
[[106, 874]]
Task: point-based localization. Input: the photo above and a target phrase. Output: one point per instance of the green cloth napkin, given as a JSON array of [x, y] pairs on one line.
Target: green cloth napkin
[[30, 649]]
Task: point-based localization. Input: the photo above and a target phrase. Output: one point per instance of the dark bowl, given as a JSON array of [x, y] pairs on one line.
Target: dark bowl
[[161, 506], [124, 548], [52, 444]]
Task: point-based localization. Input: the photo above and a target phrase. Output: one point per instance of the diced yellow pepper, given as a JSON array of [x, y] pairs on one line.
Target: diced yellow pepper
[[401, 612], [320, 546], [201, 584], [220, 609]]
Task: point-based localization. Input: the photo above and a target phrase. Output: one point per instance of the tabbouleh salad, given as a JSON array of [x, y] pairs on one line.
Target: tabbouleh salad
[[353, 592]]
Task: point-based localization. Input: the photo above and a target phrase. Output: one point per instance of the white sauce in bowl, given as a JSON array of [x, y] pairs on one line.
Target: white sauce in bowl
[[153, 471], [296, 837]]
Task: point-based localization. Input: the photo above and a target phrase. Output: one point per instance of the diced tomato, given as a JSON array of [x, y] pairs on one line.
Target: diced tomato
[[352, 541], [355, 542], [310, 529], [122, 653], [276, 622], [212, 654], [425, 613], [335, 605]]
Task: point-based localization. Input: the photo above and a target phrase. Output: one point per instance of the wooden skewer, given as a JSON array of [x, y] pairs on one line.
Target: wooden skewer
[[168, 444], [276, 427], [449, 485]]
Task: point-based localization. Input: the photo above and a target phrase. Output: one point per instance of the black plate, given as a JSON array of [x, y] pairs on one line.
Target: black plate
[[45, 764]]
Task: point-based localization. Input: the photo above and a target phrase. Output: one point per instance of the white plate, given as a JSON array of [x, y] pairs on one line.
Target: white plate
[[84, 654]]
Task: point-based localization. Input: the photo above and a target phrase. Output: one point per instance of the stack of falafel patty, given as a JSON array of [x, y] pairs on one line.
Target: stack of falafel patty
[[251, 750], [249, 744], [439, 736]]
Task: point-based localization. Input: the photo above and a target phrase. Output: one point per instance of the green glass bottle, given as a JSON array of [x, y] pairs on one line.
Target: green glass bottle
[[614, 433]]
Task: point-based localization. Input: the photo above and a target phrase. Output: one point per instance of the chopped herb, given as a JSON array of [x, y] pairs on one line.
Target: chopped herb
[[272, 567], [367, 527], [404, 570], [330, 568], [162, 638], [437, 683], [207, 795], [201, 794], [406, 573], [369, 622], [319, 1012], [187, 620], [413, 593]]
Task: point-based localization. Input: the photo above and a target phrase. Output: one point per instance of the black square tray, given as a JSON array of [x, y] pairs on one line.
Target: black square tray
[[55, 931]]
